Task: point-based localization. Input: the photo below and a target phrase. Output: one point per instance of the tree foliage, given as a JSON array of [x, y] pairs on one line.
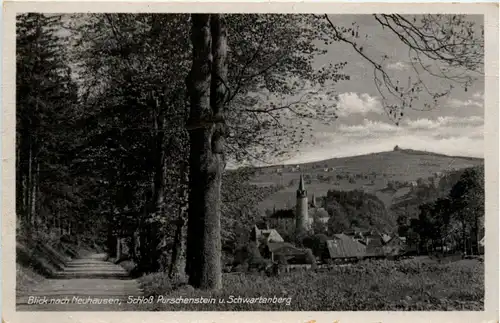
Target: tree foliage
[[356, 209], [454, 221], [47, 102]]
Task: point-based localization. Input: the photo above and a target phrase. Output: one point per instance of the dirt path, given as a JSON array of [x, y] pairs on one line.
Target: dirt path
[[86, 284]]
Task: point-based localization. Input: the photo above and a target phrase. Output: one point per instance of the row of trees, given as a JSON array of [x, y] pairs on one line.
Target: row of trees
[[125, 122], [452, 222], [46, 96], [116, 148]]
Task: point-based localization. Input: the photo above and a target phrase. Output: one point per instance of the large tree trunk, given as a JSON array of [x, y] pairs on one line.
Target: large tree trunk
[[207, 93], [159, 183], [147, 243], [178, 264], [198, 85]]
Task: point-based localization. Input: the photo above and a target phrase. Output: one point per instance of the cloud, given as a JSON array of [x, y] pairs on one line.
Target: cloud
[[441, 127], [354, 103], [444, 122], [368, 129], [456, 103], [398, 66], [449, 135], [478, 95]]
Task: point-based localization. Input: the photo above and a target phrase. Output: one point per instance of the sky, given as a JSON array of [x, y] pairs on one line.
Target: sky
[[454, 127]]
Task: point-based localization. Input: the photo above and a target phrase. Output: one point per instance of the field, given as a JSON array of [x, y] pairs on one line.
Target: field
[[369, 173], [378, 286]]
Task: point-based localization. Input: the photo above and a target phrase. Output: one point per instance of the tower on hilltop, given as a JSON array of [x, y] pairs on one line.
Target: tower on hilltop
[[301, 211]]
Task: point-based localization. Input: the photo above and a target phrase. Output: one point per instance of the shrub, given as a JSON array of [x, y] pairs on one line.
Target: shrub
[[317, 243]]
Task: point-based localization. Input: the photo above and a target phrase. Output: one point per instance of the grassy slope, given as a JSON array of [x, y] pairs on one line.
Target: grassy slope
[[380, 285], [402, 165], [40, 258]]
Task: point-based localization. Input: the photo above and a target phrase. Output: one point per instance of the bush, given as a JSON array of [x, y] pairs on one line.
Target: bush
[[317, 243]]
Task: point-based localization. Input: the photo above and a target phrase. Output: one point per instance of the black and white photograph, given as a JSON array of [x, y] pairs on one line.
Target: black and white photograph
[[318, 162]]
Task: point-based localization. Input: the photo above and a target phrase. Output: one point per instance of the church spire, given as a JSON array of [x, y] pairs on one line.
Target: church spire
[[301, 191], [302, 187]]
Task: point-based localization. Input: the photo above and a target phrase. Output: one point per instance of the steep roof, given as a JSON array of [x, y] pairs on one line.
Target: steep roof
[[302, 187], [386, 238], [284, 248], [270, 235], [343, 246]]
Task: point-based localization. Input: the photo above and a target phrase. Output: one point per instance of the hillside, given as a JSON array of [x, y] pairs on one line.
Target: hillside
[[40, 256], [370, 173]]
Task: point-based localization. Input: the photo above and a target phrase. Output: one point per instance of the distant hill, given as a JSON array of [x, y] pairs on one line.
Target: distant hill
[[374, 173]]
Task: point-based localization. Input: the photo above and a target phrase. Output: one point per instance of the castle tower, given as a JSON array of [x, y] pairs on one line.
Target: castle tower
[[301, 211]]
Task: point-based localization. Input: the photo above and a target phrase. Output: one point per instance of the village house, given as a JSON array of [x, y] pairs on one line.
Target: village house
[[382, 245], [265, 235], [271, 246], [343, 247], [286, 250]]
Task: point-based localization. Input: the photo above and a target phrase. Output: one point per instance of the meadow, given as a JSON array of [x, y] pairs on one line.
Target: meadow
[[408, 285], [370, 173]]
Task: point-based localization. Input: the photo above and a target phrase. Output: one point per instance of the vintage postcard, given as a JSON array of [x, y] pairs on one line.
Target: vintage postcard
[[270, 162]]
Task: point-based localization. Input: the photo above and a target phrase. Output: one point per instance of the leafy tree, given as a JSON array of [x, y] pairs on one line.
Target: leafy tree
[[349, 209], [316, 243], [452, 218], [46, 98], [467, 197], [125, 86], [442, 214]]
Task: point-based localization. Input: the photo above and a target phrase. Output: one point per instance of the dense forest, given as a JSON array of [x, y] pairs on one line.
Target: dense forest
[[124, 127]]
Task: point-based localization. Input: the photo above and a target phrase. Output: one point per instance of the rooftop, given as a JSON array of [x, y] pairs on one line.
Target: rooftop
[[343, 246]]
